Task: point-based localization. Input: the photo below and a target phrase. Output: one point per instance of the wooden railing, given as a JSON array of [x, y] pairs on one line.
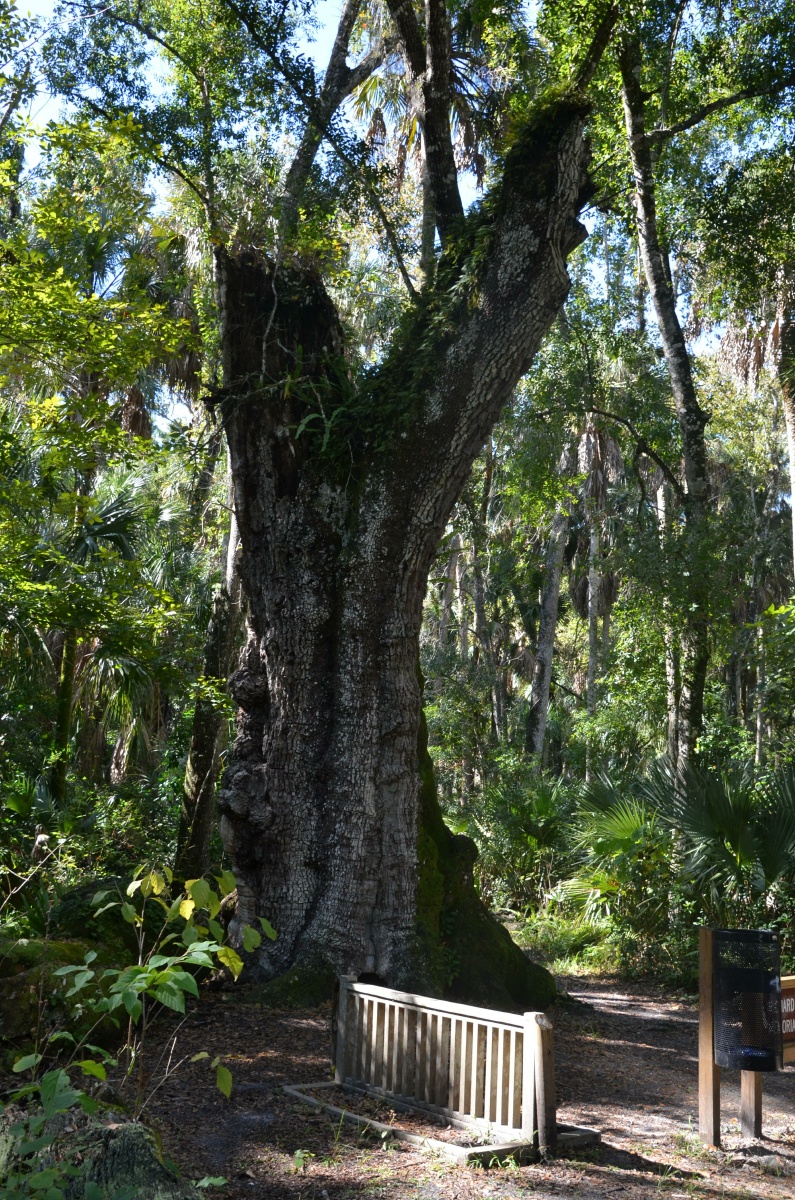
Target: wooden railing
[[464, 1062]]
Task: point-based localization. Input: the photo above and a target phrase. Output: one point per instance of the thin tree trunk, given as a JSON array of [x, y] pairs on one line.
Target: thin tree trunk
[[593, 636], [670, 641], [786, 373], [692, 418], [536, 728], [63, 717], [197, 813], [448, 593], [463, 607], [759, 755]]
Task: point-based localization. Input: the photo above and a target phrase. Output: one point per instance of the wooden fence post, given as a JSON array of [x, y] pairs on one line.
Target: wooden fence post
[[708, 1071], [342, 1027], [546, 1106], [751, 1103], [529, 1097]]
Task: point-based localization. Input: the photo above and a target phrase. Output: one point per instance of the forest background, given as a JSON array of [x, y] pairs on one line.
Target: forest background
[[606, 650]]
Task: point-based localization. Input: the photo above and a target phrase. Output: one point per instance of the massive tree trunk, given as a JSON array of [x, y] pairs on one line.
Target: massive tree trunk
[[692, 418], [339, 526]]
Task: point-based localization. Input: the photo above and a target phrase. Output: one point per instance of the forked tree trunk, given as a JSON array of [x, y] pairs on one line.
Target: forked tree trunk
[[339, 526]]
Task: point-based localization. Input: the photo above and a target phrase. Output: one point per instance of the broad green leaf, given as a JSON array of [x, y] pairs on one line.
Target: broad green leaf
[[251, 939], [201, 1055], [27, 1063], [129, 914], [185, 981], [223, 1080], [43, 1179], [216, 930], [199, 890], [230, 959], [171, 996], [89, 1067], [226, 882], [34, 1145], [267, 928]]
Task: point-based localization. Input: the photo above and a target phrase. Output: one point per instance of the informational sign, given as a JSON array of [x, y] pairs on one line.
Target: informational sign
[[788, 1016]]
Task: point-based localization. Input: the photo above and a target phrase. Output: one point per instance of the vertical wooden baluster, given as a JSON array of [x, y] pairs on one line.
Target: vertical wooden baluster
[[488, 1104], [479, 1074], [518, 1080], [466, 1074], [378, 1043], [397, 1056], [367, 1007], [411, 1036], [437, 1058], [358, 1072], [455, 1063], [512, 1074], [422, 1054], [463, 1074], [404, 1056], [443, 1063], [502, 1089]]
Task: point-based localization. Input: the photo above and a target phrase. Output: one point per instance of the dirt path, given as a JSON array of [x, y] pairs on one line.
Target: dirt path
[[626, 1064]]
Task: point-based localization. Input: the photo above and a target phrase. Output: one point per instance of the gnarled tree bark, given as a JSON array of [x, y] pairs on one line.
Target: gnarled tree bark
[[320, 802]]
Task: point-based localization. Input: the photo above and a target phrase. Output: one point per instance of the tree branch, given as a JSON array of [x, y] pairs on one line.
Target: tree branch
[[16, 98], [599, 43], [723, 102], [644, 448], [428, 62], [436, 87], [311, 104], [408, 28]]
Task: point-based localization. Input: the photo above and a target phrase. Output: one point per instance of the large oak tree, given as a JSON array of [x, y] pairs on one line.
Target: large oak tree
[[345, 475]]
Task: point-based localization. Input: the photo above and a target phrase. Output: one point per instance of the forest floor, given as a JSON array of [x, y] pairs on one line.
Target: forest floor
[[626, 1058]]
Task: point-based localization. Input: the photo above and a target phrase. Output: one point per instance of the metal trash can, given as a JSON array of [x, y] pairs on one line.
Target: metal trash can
[[747, 1000]]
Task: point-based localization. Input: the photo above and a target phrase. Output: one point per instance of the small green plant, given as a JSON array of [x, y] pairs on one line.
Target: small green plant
[[32, 1169], [301, 1160]]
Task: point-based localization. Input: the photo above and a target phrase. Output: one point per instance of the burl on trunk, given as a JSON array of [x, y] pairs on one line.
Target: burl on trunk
[[343, 488]]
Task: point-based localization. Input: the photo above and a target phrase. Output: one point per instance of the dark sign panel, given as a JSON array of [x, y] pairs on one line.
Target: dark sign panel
[[788, 1016]]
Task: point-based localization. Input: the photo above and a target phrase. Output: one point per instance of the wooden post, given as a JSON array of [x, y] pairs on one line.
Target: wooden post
[[342, 1027], [546, 1107], [529, 1098], [708, 1071], [751, 1103]]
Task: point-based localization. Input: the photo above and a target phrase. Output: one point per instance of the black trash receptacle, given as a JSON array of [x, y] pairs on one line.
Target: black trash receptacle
[[747, 999]]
